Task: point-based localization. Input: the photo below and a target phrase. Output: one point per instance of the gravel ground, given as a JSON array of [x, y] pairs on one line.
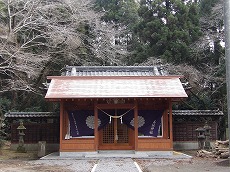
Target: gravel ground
[[10, 161], [116, 165], [189, 165], [75, 165]]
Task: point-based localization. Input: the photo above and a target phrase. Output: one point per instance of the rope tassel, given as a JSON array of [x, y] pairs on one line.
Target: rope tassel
[[121, 120], [110, 119]]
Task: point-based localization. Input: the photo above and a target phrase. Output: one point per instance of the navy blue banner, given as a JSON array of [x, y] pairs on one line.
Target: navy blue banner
[[82, 121]]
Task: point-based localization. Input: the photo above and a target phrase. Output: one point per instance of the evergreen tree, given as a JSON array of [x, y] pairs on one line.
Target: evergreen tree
[[118, 11], [168, 27], [123, 14], [206, 6]]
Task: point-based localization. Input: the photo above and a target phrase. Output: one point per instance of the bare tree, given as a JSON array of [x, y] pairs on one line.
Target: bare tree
[[36, 32], [212, 32], [39, 36], [33, 33]]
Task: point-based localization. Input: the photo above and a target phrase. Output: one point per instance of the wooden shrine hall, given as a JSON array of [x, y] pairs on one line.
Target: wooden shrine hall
[[115, 107]]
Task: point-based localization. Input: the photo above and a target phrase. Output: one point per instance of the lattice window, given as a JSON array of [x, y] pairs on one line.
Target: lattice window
[[108, 133], [122, 133]]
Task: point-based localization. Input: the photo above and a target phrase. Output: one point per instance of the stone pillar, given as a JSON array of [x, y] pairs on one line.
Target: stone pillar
[[41, 148]]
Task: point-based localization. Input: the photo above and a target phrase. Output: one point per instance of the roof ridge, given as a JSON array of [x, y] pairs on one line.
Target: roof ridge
[[156, 70]]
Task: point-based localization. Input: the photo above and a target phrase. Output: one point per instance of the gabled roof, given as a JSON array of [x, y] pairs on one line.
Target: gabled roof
[[111, 87], [114, 82]]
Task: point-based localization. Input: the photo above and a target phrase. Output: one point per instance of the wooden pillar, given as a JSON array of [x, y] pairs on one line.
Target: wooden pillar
[[61, 122], [170, 123], [165, 124], [136, 125], [96, 136]]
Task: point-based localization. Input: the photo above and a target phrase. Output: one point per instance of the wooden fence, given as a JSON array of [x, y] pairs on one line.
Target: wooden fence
[[49, 132], [186, 131], [35, 132]]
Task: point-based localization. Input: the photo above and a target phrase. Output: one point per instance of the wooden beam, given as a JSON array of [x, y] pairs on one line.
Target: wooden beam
[[115, 106]]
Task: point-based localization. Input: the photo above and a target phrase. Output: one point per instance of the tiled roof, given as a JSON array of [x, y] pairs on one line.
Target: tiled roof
[[197, 113], [114, 71], [31, 115]]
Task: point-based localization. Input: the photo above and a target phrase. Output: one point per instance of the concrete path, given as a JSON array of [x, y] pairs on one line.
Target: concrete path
[[116, 165]]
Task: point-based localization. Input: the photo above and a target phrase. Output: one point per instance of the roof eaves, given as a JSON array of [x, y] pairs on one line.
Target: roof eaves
[[30, 114], [197, 113]]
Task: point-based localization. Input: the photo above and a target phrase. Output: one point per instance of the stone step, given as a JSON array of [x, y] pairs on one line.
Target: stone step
[[116, 152]]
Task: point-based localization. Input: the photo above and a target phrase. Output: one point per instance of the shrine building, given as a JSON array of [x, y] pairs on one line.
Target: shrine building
[[115, 107]]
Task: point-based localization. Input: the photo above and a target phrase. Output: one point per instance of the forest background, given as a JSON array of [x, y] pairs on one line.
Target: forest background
[[40, 37]]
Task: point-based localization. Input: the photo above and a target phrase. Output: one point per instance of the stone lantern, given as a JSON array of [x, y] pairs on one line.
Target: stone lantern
[[201, 137], [21, 134]]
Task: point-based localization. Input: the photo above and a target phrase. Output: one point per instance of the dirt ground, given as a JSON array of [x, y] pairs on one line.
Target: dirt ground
[[195, 164], [10, 161]]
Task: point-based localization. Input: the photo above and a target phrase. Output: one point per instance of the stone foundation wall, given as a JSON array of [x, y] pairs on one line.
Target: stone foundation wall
[[50, 147]]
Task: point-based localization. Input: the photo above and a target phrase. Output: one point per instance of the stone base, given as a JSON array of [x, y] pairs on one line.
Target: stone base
[[117, 154], [21, 149], [187, 145], [50, 147]]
